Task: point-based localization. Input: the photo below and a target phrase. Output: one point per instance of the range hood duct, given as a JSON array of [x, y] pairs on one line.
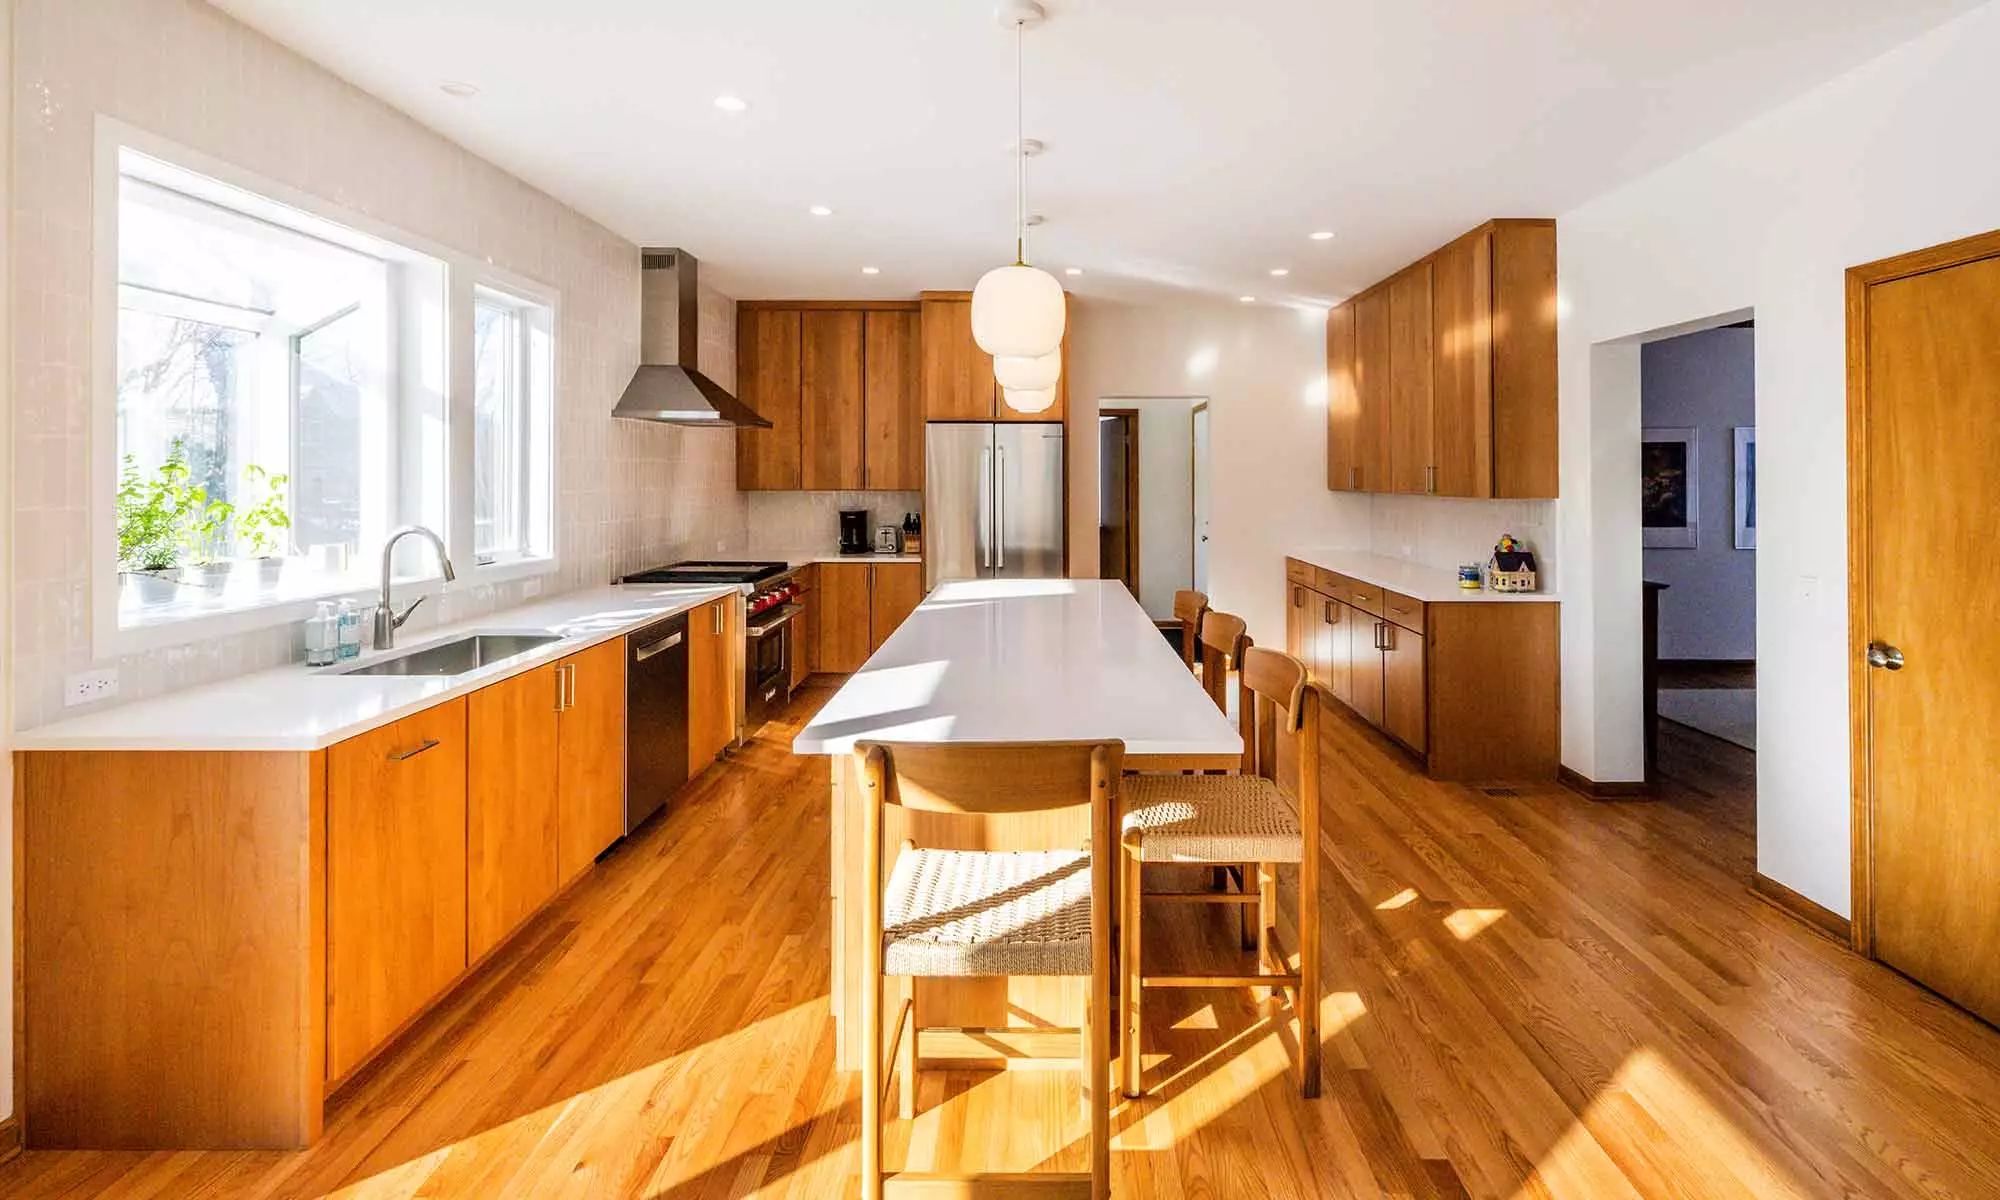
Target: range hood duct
[[668, 387]]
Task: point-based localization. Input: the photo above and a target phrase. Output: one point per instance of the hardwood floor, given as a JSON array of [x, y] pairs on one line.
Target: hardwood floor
[[1527, 994]]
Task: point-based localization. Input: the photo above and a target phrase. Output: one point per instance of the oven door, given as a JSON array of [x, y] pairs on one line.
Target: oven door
[[768, 663]]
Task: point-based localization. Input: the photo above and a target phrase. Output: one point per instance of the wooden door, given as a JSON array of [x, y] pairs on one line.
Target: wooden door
[[590, 789], [1364, 663], [395, 877], [892, 403], [1371, 391], [1924, 386], [1298, 623], [957, 375], [1410, 380], [1403, 686], [830, 401], [1462, 367], [844, 611], [1335, 668], [1343, 403], [894, 593], [767, 379], [711, 710], [511, 806]]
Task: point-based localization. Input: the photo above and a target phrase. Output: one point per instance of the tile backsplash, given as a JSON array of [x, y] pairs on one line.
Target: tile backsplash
[[1441, 531], [809, 522], [629, 493]]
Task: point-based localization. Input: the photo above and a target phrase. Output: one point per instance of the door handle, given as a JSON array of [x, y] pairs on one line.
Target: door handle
[[1000, 506], [1354, 479], [660, 647], [986, 507], [560, 692], [1884, 656], [569, 696], [1298, 597], [1430, 481], [1328, 616], [419, 748], [1382, 636]]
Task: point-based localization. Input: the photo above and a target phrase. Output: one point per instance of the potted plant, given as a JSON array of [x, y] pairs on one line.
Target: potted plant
[[207, 534], [267, 523], [151, 511]]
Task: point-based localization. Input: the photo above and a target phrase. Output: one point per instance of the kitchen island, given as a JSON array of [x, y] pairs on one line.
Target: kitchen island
[[1002, 660]]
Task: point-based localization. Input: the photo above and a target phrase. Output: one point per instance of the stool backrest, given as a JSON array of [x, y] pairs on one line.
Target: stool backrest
[[984, 778], [1188, 609], [1283, 707], [1223, 638]]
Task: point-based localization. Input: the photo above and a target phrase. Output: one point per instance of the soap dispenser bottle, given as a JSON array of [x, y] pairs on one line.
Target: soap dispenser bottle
[[322, 636]]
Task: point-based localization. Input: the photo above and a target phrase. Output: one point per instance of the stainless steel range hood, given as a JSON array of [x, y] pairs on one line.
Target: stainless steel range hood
[[668, 386]]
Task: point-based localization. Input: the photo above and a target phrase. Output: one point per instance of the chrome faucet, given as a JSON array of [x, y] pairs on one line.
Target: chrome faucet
[[387, 619]]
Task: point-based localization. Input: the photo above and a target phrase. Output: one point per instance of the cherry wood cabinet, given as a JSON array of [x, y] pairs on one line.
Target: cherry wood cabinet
[[894, 591], [1442, 379], [590, 786], [768, 344], [711, 692], [805, 626], [830, 401], [1364, 662], [511, 805], [892, 412], [395, 877], [838, 379], [958, 383], [844, 609], [1403, 689]]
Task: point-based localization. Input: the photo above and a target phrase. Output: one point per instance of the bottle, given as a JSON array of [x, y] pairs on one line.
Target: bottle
[[348, 631], [322, 637]]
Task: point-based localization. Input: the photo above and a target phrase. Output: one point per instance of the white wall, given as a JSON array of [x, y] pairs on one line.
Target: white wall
[[1705, 382], [1893, 156], [6, 571]]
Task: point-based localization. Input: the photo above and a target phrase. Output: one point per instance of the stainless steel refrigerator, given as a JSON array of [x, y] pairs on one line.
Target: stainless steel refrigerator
[[993, 502]]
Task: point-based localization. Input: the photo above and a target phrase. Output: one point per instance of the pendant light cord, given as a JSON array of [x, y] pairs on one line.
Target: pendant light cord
[[1020, 144]]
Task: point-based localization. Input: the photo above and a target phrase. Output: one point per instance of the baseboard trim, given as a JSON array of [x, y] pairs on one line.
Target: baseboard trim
[[1590, 789], [10, 1138], [1789, 902]]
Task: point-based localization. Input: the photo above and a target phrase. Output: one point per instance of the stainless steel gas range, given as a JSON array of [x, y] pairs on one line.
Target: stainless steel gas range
[[768, 632]]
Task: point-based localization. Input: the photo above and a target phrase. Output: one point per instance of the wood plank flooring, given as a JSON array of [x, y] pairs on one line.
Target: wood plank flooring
[[1527, 994]]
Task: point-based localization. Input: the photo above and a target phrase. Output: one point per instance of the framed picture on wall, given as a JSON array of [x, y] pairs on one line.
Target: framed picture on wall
[[1746, 487], [1669, 503]]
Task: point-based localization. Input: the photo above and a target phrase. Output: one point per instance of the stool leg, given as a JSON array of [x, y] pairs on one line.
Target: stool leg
[[1097, 1046], [1250, 937], [871, 1079], [1308, 993], [1267, 915], [1130, 989], [906, 1057]]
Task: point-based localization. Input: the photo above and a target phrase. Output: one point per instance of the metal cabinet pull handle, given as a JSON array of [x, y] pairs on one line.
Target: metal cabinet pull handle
[[1330, 617], [559, 689], [570, 700], [1298, 597], [1354, 479], [660, 647], [1884, 656], [419, 748]]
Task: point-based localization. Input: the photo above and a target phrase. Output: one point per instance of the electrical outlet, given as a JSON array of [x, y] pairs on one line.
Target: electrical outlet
[[88, 687]]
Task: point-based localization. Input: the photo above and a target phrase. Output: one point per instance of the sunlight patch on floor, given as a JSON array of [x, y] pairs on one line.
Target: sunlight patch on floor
[[1468, 923], [1406, 896]]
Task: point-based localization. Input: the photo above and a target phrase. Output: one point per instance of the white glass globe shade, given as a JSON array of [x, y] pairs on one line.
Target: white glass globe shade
[[1033, 401], [1018, 312], [1029, 374]]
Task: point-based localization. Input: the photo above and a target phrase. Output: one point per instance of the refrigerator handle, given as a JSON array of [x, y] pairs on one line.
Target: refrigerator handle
[[1000, 506], [986, 507]]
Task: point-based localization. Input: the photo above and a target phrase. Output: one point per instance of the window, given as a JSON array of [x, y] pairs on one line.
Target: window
[[281, 403]]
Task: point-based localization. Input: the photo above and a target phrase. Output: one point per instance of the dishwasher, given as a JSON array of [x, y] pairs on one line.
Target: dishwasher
[[656, 717]]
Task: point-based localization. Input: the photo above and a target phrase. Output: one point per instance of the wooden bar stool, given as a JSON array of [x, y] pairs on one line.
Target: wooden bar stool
[[1188, 607], [1230, 819], [1221, 643], [983, 913]]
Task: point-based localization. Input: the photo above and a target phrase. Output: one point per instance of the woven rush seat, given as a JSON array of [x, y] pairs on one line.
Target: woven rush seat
[[966, 913], [1211, 819]]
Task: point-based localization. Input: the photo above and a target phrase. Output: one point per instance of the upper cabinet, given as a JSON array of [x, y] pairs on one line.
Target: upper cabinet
[[838, 382], [958, 382], [1442, 379]]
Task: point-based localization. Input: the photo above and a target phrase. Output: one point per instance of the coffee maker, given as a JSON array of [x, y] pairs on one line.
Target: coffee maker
[[854, 531]]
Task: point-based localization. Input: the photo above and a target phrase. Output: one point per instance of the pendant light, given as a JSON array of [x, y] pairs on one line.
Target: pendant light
[[1038, 400], [1028, 374], [1018, 311]]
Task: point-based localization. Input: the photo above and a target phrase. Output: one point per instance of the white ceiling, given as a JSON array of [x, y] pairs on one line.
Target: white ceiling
[[1190, 145]]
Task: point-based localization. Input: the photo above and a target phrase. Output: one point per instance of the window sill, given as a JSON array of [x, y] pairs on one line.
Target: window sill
[[507, 570], [152, 614]]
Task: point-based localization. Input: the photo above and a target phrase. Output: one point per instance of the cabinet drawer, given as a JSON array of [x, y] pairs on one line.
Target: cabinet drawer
[[1364, 596], [1299, 572], [1403, 610], [1329, 582]]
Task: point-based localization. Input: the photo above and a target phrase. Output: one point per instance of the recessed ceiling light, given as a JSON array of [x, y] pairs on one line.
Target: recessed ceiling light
[[732, 104], [1247, 299], [820, 210], [458, 89], [1324, 235], [1280, 272], [1072, 270], [871, 270]]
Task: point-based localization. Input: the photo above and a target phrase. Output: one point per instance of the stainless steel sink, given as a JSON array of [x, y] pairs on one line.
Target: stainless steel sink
[[458, 656]]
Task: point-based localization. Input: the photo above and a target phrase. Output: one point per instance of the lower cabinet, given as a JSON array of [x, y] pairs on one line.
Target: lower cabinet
[[712, 663], [1333, 664], [894, 591], [590, 763], [1364, 663], [395, 877], [843, 609], [1403, 688], [805, 637], [510, 868]]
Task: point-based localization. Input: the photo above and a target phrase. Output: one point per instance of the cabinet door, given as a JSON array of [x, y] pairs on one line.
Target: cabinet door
[[1056, 411], [767, 379], [590, 792], [711, 713], [894, 593], [1298, 623], [892, 404], [1403, 688], [1334, 667], [1462, 368], [844, 611], [1364, 663], [1371, 391], [957, 375], [511, 806], [1410, 380], [1343, 403], [830, 401], [395, 877], [805, 629]]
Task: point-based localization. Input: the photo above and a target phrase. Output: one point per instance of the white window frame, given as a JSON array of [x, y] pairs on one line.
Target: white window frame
[[419, 365], [534, 497]]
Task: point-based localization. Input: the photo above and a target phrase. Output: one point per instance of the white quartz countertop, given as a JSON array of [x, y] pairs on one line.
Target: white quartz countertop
[[1419, 581], [305, 708], [1025, 660]]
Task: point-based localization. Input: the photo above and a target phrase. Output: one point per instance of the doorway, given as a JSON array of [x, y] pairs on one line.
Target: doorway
[[1118, 499], [1923, 335], [1198, 482]]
